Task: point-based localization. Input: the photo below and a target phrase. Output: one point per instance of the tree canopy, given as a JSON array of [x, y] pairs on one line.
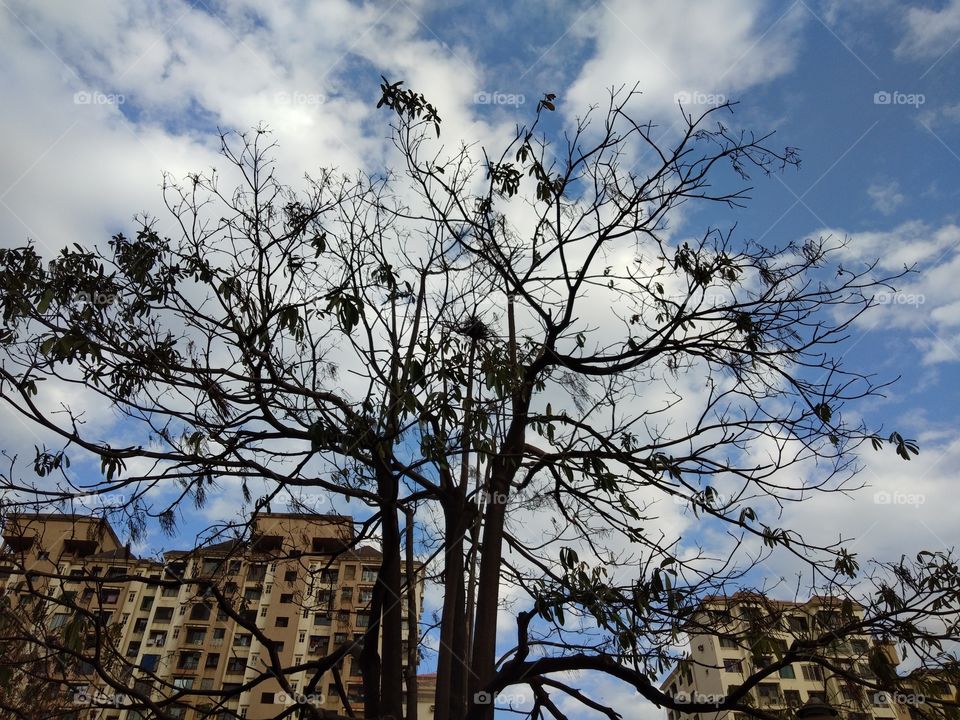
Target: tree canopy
[[509, 355]]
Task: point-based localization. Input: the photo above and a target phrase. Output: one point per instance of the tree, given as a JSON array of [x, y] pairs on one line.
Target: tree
[[464, 346]]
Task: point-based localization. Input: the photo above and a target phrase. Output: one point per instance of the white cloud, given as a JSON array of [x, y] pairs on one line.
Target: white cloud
[[669, 47], [886, 197], [930, 32]]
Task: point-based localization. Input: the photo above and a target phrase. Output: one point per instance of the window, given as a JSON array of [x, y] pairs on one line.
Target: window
[[252, 595], [213, 659], [183, 682], [768, 692], [732, 665], [242, 640], [797, 623], [321, 619], [792, 698], [200, 611], [233, 567], [339, 638], [218, 635], [236, 666], [282, 621], [206, 683], [255, 573], [264, 610], [157, 637], [301, 636], [349, 572], [726, 642], [59, 620], [278, 646], [131, 596], [787, 672], [133, 648], [140, 625], [369, 575], [149, 662], [347, 594], [859, 646], [366, 595], [363, 620], [266, 698], [196, 636], [189, 661], [163, 614], [817, 696], [146, 603], [286, 598], [290, 576], [812, 672], [318, 643]]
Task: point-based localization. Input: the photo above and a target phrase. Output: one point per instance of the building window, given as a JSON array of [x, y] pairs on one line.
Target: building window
[[140, 625], [363, 620], [110, 596], [242, 640], [346, 595], [817, 696], [183, 682], [369, 575], [266, 698], [149, 662], [286, 598], [349, 572], [302, 636], [264, 610], [133, 648], [797, 623], [146, 603], [196, 636], [768, 692], [131, 596], [213, 659], [200, 611], [318, 643], [321, 619], [732, 665], [189, 661], [236, 666], [859, 646], [282, 621], [787, 672], [792, 698], [290, 576], [812, 672]]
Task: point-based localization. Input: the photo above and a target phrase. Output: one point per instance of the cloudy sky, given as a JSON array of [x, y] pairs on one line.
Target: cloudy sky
[[99, 98]]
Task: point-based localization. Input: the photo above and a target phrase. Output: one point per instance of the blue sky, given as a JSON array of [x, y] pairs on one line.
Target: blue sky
[[100, 98]]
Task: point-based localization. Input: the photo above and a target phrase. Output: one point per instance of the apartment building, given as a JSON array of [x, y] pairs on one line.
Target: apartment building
[[299, 579], [739, 634]]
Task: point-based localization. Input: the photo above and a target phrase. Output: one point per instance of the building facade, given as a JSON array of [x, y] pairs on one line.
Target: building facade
[[738, 635], [205, 621]]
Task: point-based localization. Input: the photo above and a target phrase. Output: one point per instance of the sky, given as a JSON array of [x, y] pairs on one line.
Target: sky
[[100, 98]]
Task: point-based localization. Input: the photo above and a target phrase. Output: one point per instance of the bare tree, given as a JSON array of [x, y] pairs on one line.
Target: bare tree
[[468, 346]]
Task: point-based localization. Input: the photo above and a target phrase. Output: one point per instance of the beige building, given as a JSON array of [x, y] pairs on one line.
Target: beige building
[[748, 632], [298, 579]]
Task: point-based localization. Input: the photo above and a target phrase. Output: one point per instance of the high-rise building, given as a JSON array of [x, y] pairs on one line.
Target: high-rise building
[[737, 635], [300, 584]]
